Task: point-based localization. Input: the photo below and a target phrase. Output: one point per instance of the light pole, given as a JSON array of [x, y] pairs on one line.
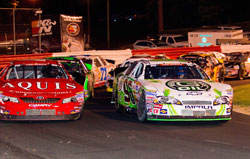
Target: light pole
[[15, 3], [39, 12]]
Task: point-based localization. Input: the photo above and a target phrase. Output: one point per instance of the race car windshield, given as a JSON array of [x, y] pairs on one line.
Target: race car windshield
[[174, 72], [35, 72]]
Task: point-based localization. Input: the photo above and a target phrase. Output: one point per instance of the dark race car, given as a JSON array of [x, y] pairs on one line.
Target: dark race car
[[81, 74], [237, 65]]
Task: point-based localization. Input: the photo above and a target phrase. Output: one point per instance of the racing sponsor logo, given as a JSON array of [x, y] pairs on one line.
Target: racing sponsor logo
[[228, 110], [39, 105], [159, 106], [40, 97], [194, 93], [73, 29], [42, 27], [150, 93], [163, 111], [39, 85], [156, 111], [229, 92], [185, 85], [150, 110], [198, 107]]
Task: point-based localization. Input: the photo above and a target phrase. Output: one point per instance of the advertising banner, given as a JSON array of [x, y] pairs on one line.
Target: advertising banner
[[72, 33], [49, 29]]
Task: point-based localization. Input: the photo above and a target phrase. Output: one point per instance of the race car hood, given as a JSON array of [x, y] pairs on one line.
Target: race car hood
[[45, 87], [192, 88]]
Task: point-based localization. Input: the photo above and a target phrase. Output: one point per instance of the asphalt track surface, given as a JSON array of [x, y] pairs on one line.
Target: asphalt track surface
[[104, 134]]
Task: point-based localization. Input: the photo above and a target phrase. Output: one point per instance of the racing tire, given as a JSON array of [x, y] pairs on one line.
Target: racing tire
[[118, 107], [241, 75], [142, 108], [79, 115]]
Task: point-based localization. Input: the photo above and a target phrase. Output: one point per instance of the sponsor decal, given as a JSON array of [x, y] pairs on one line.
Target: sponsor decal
[[74, 111], [194, 93], [150, 110], [150, 93], [1, 95], [39, 85], [228, 110], [198, 107], [40, 93], [159, 106], [156, 111], [40, 97], [185, 85], [73, 29], [163, 111], [6, 112], [43, 27], [80, 96], [39, 105], [229, 92]]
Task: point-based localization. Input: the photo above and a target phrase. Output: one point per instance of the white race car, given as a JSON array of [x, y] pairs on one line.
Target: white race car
[[171, 90]]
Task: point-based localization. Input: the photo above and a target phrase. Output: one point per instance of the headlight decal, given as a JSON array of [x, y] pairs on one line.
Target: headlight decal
[[4, 98], [222, 110], [171, 109], [218, 92], [166, 92], [229, 92], [80, 96]]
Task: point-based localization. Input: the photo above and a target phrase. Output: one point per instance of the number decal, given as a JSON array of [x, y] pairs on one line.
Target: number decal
[[127, 88], [104, 73]]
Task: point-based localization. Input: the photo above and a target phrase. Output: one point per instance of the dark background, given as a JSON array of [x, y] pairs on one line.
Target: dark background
[[178, 15]]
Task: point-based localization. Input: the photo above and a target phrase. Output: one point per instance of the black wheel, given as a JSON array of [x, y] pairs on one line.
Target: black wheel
[[118, 107], [142, 109], [79, 115], [241, 74]]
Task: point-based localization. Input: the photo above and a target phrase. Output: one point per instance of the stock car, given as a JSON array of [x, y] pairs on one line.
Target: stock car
[[209, 62], [171, 90], [80, 73], [237, 65], [39, 90], [99, 66], [123, 66]]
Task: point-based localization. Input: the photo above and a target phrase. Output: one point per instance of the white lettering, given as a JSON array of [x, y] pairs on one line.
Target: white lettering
[[70, 86], [8, 84], [57, 85], [38, 84], [27, 87]]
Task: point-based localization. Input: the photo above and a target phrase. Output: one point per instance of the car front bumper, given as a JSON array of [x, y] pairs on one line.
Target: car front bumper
[[38, 117], [188, 118]]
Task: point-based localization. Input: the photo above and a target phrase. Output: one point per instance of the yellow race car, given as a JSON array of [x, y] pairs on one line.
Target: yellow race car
[[210, 62]]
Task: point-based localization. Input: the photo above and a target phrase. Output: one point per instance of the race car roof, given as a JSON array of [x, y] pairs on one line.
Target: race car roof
[[168, 61], [39, 61]]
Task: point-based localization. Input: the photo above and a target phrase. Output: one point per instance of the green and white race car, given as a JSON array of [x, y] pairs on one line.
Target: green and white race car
[[171, 90]]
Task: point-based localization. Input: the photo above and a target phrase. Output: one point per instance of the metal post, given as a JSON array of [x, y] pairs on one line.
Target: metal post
[[40, 39], [160, 16], [89, 31], [14, 31]]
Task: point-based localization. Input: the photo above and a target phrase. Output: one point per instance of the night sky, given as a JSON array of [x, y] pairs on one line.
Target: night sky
[[134, 19]]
